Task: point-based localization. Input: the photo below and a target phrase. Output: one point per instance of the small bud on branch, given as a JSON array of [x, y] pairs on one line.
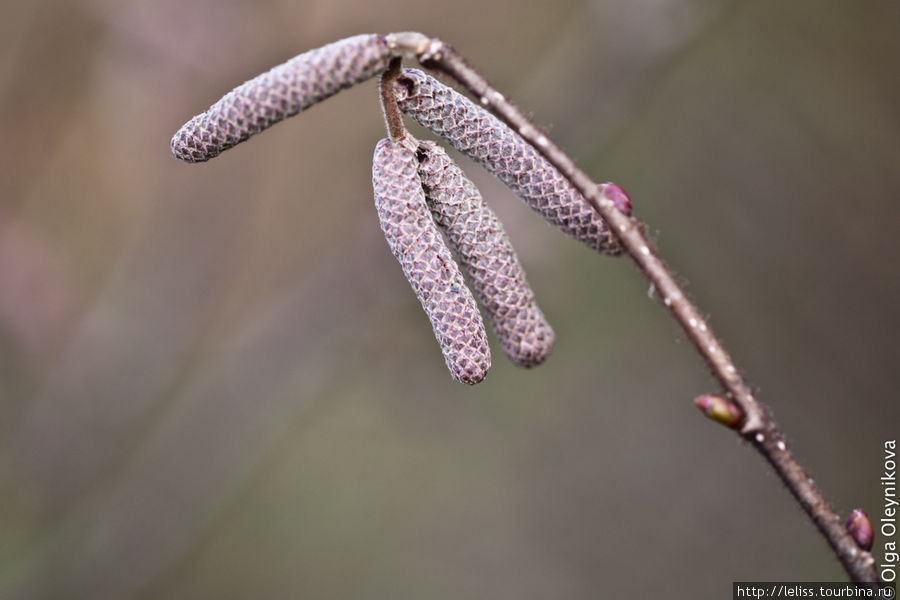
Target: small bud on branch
[[860, 528], [720, 409], [617, 196]]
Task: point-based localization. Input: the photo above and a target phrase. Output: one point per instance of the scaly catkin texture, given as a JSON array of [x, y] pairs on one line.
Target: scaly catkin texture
[[427, 262], [486, 139], [280, 93], [486, 254]]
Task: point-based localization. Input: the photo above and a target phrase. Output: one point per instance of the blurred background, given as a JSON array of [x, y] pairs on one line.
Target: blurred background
[[215, 382]]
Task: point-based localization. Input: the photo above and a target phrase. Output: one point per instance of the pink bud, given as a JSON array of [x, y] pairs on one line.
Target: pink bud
[[860, 528], [720, 409], [617, 196]]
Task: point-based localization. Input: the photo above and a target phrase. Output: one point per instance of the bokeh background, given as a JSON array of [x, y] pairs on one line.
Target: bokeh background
[[215, 382]]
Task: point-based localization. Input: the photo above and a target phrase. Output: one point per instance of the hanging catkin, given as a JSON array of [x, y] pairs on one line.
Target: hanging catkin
[[486, 254], [478, 134], [280, 93], [427, 262]]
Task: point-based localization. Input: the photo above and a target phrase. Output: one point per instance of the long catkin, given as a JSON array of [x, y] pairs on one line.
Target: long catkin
[[427, 262], [486, 139], [487, 256], [280, 93]]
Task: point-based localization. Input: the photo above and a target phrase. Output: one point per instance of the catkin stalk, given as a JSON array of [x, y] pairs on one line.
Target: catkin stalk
[[280, 93], [427, 262], [487, 256], [486, 139]]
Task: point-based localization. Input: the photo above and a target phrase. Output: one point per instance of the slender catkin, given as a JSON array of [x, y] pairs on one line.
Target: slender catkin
[[427, 262], [280, 93], [487, 256], [486, 139]]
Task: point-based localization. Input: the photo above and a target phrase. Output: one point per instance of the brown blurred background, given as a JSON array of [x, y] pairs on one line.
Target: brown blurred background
[[215, 382]]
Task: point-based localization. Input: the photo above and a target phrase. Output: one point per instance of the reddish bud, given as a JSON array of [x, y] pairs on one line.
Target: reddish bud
[[617, 196], [860, 528], [720, 409]]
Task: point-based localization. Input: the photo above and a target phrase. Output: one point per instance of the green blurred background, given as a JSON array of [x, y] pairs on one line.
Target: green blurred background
[[215, 382]]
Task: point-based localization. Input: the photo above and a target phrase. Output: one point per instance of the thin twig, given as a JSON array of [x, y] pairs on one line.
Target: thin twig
[[758, 428], [392, 118]]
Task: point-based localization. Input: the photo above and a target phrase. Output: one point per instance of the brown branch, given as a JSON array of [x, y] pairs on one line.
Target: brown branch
[[392, 118], [758, 426]]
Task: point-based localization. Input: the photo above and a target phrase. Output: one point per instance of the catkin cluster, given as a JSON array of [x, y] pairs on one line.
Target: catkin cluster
[[426, 261], [423, 198], [419, 189]]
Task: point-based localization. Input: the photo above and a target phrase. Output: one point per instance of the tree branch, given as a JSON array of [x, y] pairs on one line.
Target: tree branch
[[758, 426]]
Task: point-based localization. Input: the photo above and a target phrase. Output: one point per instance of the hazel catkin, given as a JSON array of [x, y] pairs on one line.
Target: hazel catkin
[[427, 262], [487, 256], [487, 140], [279, 93]]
